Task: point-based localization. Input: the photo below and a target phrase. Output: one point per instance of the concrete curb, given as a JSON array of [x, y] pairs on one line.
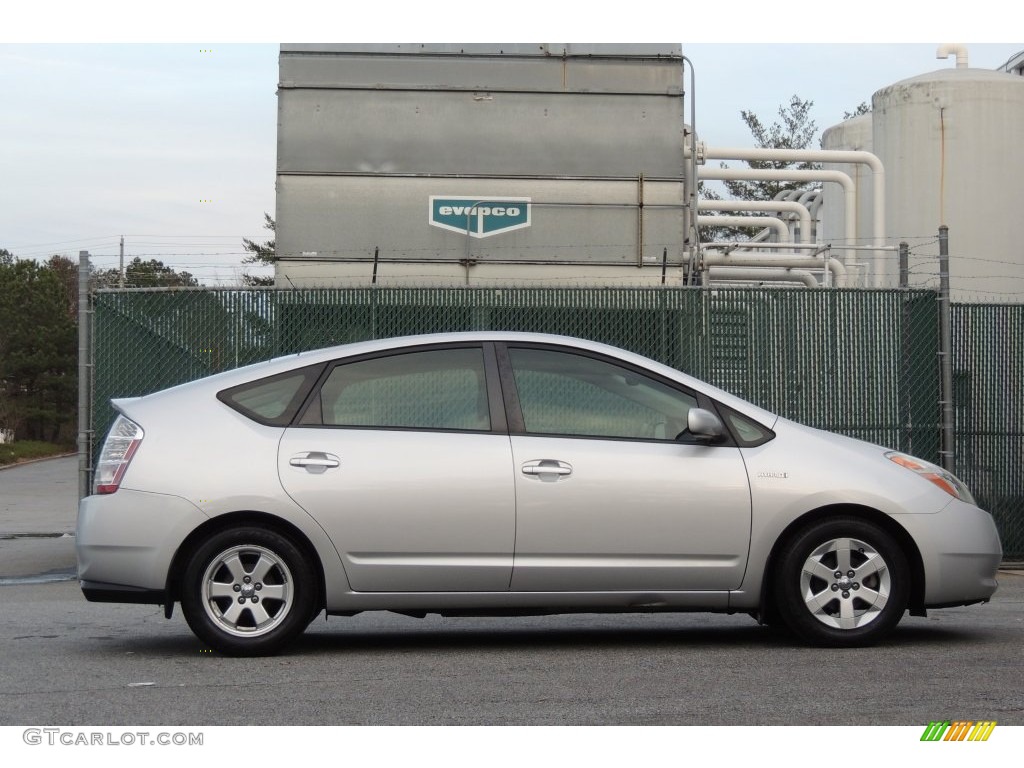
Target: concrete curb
[[36, 461]]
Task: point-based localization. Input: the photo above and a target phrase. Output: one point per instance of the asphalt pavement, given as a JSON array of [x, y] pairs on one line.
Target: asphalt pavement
[[64, 660], [38, 509]]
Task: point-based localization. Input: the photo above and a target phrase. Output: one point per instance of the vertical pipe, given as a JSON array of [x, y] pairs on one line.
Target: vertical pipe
[[84, 379], [692, 196], [946, 451], [640, 221]]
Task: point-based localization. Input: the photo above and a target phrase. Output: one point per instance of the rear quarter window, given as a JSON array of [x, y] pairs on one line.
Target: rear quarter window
[[274, 400]]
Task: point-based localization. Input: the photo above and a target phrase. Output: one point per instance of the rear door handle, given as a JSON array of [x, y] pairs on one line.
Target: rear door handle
[[548, 470], [315, 462]]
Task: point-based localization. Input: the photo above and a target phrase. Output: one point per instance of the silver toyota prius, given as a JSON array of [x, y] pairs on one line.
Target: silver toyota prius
[[510, 473]]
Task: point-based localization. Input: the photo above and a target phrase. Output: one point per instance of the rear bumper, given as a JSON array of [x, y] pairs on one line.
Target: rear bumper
[[126, 541]]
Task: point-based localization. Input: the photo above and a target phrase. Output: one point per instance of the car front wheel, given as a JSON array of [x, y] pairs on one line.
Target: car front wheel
[[248, 592], [842, 582]]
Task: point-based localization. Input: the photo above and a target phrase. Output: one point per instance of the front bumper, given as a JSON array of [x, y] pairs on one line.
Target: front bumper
[[960, 551]]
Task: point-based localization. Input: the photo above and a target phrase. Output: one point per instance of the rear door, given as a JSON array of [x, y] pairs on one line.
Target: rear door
[[404, 459]]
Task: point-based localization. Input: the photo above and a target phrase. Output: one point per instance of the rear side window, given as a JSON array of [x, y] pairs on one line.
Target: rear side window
[[432, 389], [273, 401]]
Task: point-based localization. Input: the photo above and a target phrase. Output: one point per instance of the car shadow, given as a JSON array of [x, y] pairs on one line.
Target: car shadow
[[501, 635], [634, 637]]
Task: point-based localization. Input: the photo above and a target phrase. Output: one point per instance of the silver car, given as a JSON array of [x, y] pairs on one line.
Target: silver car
[[510, 473]]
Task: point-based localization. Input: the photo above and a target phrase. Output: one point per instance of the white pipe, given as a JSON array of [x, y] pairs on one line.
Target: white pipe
[[767, 174], [949, 49], [775, 205], [813, 199], [841, 156], [754, 274], [780, 227], [779, 260]]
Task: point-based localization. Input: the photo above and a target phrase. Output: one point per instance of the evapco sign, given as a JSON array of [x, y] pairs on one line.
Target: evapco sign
[[479, 216]]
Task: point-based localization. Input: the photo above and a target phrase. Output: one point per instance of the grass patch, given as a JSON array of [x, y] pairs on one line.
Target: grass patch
[[25, 450]]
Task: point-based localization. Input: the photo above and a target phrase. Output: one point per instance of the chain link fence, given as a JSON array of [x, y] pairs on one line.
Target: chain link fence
[[859, 362]]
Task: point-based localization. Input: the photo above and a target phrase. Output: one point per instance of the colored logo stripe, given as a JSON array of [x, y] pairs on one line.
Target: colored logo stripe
[[959, 730]]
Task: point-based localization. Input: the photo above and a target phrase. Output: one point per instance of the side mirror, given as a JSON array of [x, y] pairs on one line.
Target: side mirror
[[704, 426]]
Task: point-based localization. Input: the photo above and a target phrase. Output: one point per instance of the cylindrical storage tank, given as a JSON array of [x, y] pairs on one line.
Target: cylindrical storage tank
[[852, 134], [952, 155]]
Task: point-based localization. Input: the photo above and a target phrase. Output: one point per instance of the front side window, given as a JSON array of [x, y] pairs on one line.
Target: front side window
[[567, 394], [432, 389]]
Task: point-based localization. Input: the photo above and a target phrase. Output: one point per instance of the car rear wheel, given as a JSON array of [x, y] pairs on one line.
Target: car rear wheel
[[248, 592], [842, 582]]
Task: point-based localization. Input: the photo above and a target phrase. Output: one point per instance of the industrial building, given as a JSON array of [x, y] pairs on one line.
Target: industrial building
[[564, 164]]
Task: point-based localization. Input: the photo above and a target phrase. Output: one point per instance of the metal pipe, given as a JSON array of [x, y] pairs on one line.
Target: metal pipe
[[766, 174], [695, 249], [763, 274], [840, 156], [640, 220], [834, 266], [950, 49], [768, 206], [777, 224]]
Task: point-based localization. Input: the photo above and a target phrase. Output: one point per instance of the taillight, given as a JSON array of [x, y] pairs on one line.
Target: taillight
[[119, 447]]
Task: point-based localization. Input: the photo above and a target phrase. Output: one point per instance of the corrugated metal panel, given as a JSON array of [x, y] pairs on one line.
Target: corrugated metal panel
[[348, 217], [360, 126], [514, 134], [507, 73]]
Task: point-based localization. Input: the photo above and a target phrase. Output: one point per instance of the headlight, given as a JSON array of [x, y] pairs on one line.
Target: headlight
[[933, 473]]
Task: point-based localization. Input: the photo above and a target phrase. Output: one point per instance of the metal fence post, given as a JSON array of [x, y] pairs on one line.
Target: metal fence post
[[84, 379], [946, 450], [906, 411]]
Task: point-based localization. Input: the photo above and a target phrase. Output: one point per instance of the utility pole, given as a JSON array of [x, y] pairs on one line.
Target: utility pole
[[120, 281]]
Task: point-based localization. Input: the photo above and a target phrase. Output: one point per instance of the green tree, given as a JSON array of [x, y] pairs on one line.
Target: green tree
[[143, 274], [262, 254], [38, 352], [862, 109], [795, 129]]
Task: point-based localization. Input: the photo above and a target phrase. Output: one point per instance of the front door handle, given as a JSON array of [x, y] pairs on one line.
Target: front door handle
[[548, 470], [315, 462]]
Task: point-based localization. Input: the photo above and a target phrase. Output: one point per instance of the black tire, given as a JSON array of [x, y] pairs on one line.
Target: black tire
[[248, 592], [841, 582]]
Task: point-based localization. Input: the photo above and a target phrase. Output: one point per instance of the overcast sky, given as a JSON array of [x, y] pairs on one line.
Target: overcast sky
[[173, 143]]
